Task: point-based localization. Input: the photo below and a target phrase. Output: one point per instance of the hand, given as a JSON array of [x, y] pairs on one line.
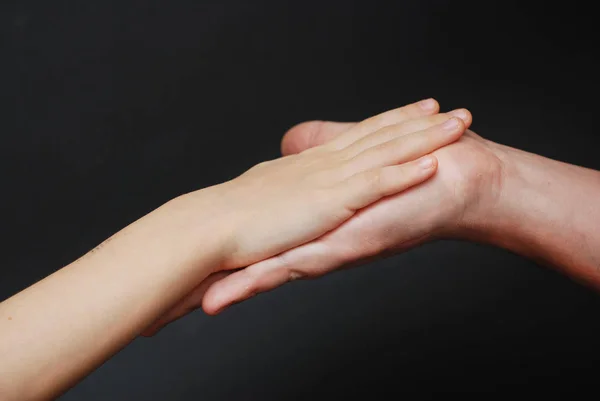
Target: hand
[[325, 253], [286, 202], [468, 182]]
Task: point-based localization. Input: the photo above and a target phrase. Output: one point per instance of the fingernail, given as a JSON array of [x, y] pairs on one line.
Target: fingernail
[[451, 124], [427, 104], [426, 162], [460, 113]]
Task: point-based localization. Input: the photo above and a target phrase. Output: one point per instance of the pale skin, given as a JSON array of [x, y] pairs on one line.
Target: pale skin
[[540, 208], [61, 328]]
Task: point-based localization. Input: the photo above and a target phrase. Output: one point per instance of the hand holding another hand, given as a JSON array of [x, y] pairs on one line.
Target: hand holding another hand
[[283, 203], [344, 236]]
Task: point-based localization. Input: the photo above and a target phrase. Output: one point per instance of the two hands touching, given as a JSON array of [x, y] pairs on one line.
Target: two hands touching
[[482, 192], [401, 220], [161, 263], [343, 193]]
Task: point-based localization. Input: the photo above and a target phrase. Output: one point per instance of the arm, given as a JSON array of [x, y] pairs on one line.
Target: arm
[[545, 210], [484, 192], [58, 330]]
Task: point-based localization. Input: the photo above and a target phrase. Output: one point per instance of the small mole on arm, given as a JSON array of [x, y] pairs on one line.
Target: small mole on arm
[[10, 318]]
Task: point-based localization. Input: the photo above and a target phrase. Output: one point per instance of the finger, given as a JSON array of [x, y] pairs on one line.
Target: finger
[[244, 284], [187, 305], [408, 147], [309, 134], [368, 187], [415, 110], [408, 127], [310, 260], [314, 133], [463, 114], [236, 288]]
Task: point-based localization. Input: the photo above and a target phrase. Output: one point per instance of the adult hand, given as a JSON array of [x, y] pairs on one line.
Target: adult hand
[[468, 183]]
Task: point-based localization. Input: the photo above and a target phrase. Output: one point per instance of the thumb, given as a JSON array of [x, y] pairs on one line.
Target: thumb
[[311, 133]]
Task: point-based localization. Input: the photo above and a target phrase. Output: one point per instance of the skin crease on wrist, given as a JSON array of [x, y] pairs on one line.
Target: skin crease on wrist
[[483, 192]]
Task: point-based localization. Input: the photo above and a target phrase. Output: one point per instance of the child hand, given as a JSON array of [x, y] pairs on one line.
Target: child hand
[[280, 204]]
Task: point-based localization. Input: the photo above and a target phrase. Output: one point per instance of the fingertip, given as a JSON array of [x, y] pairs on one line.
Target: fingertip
[[209, 305], [454, 127], [299, 137], [426, 168], [461, 124], [464, 115], [428, 163], [211, 310], [212, 304], [462, 128], [468, 120], [429, 105]]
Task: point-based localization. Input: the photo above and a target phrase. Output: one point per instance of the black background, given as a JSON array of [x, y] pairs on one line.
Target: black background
[[110, 108]]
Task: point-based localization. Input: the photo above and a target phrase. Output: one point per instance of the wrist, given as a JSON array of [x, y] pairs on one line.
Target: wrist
[[472, 176], [202, 228], [521, 211], [493, 215]]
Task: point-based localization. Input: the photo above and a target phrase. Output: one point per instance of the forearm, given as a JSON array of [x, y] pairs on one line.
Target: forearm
[[545, 210], [58, 330]]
